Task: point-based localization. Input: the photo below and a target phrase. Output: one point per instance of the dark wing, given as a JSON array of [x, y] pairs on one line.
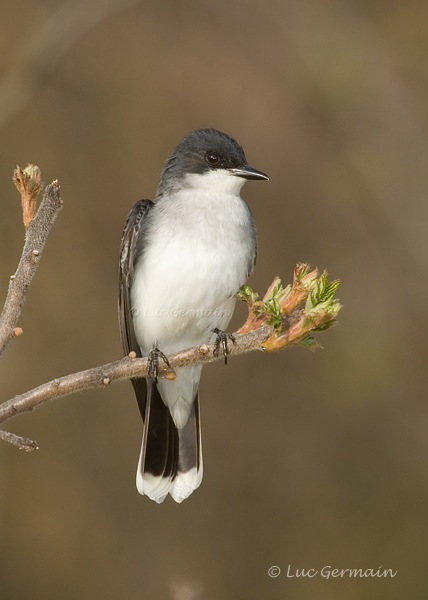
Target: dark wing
[[252, 264], [131, 247], [161, 444], [133, 233], [253, 259]]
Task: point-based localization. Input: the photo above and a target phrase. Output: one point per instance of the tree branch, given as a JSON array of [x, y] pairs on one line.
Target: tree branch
[[36, 233], [286, 316], [126, 368]]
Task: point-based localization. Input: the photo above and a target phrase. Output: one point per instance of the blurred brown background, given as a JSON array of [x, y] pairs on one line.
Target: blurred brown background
[[311, 459]]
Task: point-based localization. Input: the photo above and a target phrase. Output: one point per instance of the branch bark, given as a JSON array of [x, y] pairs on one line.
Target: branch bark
[[121, 369], [21, 442], [126, 368], [36, 234]]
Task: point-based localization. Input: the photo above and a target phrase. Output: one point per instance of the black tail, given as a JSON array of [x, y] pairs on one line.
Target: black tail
[[170, 458]]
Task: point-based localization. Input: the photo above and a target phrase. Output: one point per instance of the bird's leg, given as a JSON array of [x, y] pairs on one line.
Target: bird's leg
[[221, 341], [153, 362]]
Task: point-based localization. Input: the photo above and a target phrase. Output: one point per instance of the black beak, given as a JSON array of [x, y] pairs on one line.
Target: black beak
[[248, 173]]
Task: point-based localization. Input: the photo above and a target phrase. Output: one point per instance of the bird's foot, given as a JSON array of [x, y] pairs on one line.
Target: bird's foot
[[153, 362], [221, 342]]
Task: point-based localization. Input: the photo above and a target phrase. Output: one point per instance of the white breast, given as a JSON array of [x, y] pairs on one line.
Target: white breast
[[197, 255]]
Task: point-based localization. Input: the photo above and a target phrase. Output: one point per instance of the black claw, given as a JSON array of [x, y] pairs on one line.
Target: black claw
[[221, 340], [153, 362]]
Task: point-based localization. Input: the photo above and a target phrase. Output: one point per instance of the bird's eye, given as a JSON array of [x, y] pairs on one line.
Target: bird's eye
[[212, 158]]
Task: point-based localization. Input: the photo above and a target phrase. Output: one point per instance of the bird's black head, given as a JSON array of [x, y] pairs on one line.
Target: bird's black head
[[205, 151]]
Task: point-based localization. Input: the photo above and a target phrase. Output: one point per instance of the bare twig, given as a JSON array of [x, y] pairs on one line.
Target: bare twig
[[36, 233], [20, 442]]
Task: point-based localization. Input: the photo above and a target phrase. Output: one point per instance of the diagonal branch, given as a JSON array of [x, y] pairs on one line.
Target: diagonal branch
[[36, 233], [285, 317], [126, 368]]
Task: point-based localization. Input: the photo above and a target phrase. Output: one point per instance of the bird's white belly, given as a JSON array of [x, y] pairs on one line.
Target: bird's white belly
[[183, 293], [185, 285]]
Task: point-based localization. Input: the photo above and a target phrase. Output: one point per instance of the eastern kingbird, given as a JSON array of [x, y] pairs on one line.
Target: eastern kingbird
[[183, 258]]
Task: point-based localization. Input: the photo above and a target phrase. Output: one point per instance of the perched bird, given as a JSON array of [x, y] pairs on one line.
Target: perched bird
[[183, 258]]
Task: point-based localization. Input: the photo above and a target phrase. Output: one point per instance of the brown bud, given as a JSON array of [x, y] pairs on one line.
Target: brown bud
[[28, 182]]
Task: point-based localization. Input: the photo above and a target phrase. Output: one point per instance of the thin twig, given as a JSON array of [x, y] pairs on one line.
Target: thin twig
[[16, 440], [36, 234]]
